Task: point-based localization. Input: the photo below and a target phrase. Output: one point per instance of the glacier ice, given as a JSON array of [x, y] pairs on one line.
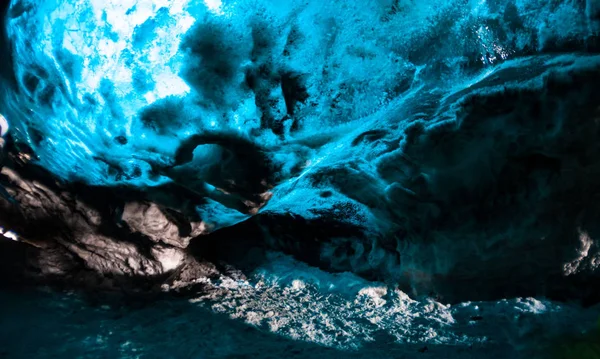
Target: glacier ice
[[107, 90], [434, 148], [420, 128]]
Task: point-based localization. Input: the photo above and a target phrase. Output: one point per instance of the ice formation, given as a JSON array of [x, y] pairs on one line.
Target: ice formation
[[431, 148]]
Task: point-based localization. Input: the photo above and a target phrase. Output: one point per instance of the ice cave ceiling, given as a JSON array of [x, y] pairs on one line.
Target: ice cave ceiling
[[447, 148]]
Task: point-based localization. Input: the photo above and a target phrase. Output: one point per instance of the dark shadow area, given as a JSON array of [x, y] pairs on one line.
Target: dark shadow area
[[6, 60]]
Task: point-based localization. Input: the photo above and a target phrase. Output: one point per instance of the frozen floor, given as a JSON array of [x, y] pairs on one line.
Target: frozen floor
[[303, 314]]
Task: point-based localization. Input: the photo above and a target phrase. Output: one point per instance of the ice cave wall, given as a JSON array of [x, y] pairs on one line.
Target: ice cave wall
[[435, 144], [121, 84]]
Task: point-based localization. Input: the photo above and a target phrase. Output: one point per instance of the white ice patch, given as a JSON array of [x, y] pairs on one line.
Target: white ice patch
[[583, 251], [3, 125], [214, 6], [169, 258], [9, 235]]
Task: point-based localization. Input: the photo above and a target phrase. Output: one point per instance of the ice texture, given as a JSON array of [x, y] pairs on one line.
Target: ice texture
[[108, 90], [431, 148], [454, 126], [451, 125], [288, 310]]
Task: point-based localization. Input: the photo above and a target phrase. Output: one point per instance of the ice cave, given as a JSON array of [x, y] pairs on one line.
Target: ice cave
[[300, 179]]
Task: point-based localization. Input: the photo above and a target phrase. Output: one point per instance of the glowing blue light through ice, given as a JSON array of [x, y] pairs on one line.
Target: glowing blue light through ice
[[108, 91], [89, 71], [96, 66]]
